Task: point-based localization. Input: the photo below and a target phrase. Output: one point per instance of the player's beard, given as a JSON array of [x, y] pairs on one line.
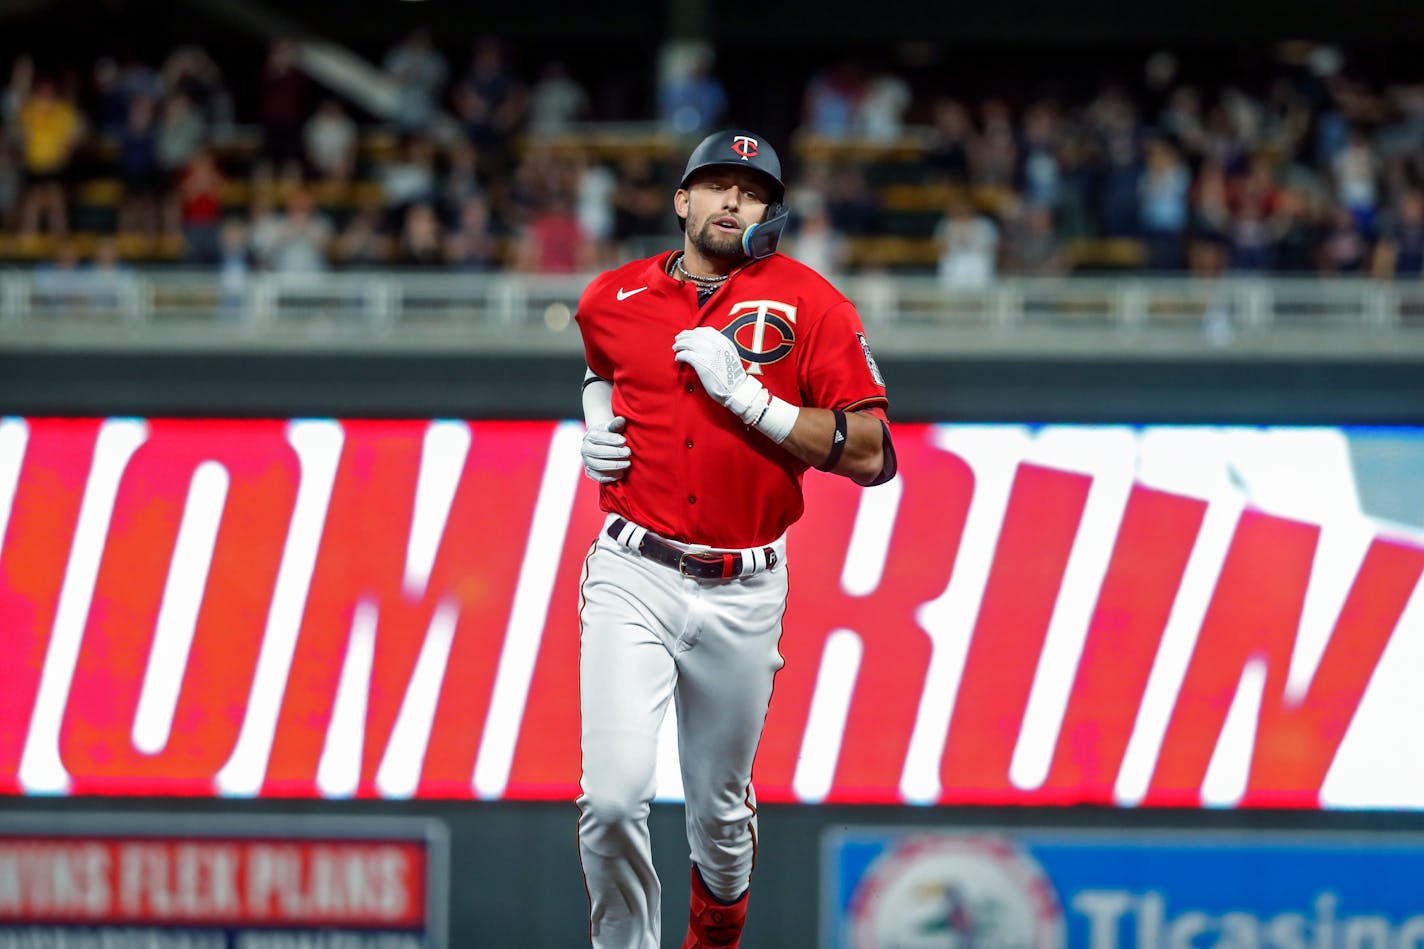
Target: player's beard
[[715, 244]]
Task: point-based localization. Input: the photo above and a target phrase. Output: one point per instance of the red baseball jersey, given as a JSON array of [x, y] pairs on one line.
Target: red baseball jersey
[[699, 474]]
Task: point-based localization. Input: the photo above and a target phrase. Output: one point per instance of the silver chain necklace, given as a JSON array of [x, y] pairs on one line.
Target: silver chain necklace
[[703, 283]]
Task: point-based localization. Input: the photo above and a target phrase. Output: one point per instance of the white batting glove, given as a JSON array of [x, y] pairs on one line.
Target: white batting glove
[[718, 365], [605, 451]]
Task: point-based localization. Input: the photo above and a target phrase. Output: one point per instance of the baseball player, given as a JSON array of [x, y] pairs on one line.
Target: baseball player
[[717, 374]]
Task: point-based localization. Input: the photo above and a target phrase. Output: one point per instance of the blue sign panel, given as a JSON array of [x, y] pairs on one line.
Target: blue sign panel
[[903, 888]]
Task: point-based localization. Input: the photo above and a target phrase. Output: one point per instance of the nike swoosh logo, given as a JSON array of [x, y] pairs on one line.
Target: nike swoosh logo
[[625, 294]]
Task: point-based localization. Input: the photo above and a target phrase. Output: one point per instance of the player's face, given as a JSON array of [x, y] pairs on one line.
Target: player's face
[[719, 207]]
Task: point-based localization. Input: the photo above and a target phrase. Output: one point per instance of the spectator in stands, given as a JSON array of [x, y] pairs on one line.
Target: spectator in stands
[[1243, 128], [1252, 241], [831, 98], [107, 277], [1162, 196], [1285, 120], [1402, 134], [473, 244], [116, 85], [112, 106], [690, 96], [16, 93], [1119, 190], [532, 187], [1251, 124], [1399, 254], [1039, 176], [330, 139], [472, 115], [108, 261], [556, 101], [594, 185], [59, 283], [640, 208], [363, 243], [50, 131], [419, 72], [282, 112], [815, 241], [9, 186], [410, 178], [1355, 168], [462, 178], [1252, 246], [181, 133], [191, 72], [1345, 248], [812, 183], [850, 201], [968, 244], [490, 101], [234, 268], [1076, 154], [68, 285], [552, 241], [880, 110], [139, 173], [200, 207], [421, 242], [1181, 121], [1210, 229], [993, 160], [951, 140], [1293, 233], [1031, 246], [294, 242]]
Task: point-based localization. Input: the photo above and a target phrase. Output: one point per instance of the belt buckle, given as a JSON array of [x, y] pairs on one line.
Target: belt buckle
[[682, 560]]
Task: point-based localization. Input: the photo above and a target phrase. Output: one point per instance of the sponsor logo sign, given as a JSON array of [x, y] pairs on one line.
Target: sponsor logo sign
[[1033, 615], [259, 881], [911, 888]]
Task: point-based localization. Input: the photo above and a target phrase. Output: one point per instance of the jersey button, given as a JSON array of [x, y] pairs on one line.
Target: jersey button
[[689, 387], [692, 499], [689, 443]]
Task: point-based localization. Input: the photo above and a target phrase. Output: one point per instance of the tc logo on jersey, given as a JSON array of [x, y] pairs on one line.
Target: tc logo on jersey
[[763, 332], [744, 145]]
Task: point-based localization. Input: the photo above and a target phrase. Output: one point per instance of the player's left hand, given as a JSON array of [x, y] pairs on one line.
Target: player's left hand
[[718, 365]]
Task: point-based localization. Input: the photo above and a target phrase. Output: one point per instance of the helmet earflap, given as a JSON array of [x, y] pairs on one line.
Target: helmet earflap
[[760, 239]]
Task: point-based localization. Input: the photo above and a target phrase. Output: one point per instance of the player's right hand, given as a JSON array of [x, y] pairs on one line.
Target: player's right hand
[[605, 451]]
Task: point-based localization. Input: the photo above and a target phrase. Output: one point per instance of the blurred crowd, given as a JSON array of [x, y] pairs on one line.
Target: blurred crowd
[[1310, 169], [313, 194], [1314, 172]]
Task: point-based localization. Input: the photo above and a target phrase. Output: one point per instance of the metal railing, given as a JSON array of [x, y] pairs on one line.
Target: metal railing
[[520, 312]]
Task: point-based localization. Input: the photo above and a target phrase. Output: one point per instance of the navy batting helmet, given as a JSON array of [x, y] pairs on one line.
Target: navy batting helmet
[[738, 148]]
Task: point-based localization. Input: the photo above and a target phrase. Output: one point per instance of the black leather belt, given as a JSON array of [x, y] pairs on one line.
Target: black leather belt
[[698, 564]]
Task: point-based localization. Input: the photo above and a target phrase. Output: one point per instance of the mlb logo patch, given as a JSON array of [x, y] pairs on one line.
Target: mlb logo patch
[[870, 360]]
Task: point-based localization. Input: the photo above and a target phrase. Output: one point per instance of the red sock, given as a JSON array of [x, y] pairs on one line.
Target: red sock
[[712, 922]]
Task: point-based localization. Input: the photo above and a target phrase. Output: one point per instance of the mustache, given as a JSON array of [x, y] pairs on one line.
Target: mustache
[[715, 244]]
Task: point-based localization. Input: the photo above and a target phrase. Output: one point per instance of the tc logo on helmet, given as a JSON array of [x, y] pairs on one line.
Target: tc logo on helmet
[[744, 145]]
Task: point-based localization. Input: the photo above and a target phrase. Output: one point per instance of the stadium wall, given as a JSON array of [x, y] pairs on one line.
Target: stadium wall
[[512, 878], [1241, 389]]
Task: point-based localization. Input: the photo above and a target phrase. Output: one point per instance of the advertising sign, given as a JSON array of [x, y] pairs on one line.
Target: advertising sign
[[903, 888], [1036, 615], [221, 883]]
